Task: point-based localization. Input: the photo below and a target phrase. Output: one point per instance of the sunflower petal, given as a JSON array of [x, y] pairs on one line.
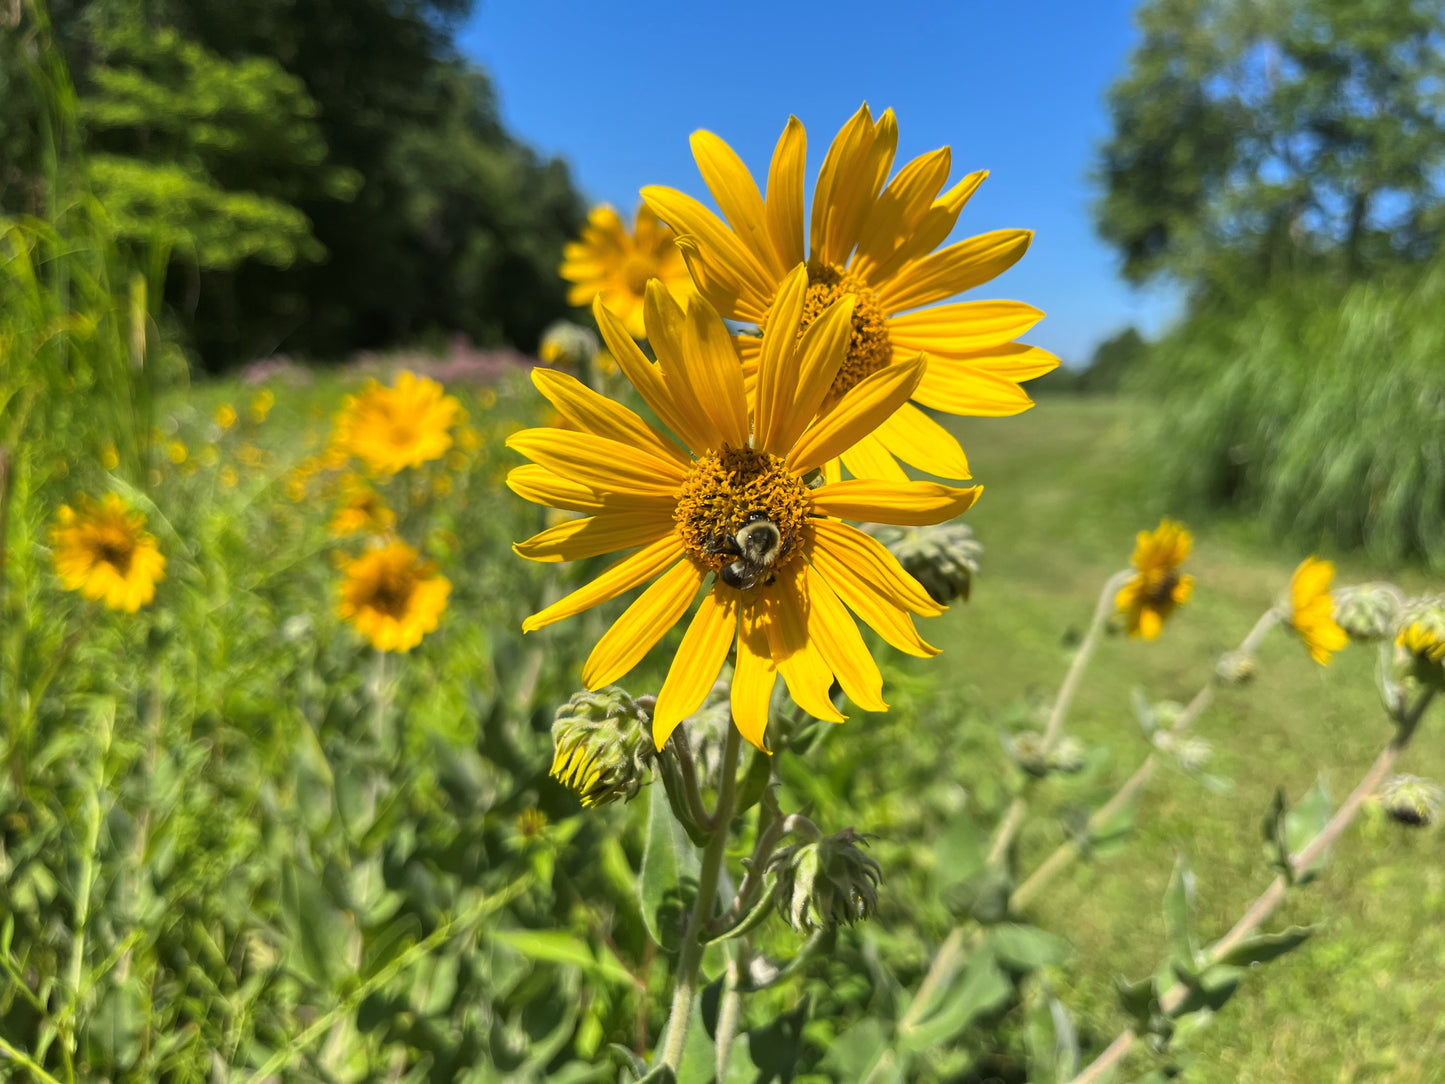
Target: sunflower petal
[[967, 327], [935, 226], [882, 616], [542, 486], [716, 283], [754, 676], [604, 465], [870, 459], [921, 442], [1012, 361], [833, 629], [618, 577], [910, 504], [856, 415], [899, 209], [776, 387], [603, 417], [645, 377], [954, 269], [698, 661], [785, 194], [807, 675], [820, 354], [714, 373], [736, 193], [840, 164], [957, 388], [729, 258], [595, 535], [869, 560], [642, 624]]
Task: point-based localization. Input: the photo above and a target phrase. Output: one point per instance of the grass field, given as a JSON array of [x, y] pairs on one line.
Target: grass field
[[1363, 1000]]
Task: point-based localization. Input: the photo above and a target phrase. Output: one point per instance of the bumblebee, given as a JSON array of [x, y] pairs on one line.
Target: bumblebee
[[757, 545]]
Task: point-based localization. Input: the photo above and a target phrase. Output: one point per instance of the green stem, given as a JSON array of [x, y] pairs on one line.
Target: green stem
[[692, 945], [20, 1058]]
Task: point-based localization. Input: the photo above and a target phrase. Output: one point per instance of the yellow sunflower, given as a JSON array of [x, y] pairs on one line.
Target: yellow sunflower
[[104, 552], [1157, 586], [362, 509], [607, 261], [1423, 640], [392, 597], [1312, 611], [389, 429], [875, 243], [730, 508]]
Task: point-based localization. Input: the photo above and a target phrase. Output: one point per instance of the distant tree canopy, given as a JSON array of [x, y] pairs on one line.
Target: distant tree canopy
[[327, 175], [1254, 137]]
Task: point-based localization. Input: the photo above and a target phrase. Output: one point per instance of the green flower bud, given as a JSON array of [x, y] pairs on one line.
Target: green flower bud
[[567, 345], [1411, 800], [828, 883], [1367, 612], [1029, 752], [1068, 755], [604, 746], [944, 558], [1236, 667]]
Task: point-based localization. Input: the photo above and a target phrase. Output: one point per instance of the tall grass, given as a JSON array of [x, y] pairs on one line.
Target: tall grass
[[1319, 410]]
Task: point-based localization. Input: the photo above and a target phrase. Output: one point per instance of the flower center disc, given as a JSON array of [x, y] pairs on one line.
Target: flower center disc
[[729, 489], [869, 348], [636, 271], [116, 550], [392, 594]]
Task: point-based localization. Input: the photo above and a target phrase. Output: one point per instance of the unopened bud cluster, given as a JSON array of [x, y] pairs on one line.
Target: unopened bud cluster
[[827, 883], [944, 558], [567, 345], [1411, 800], [1236, 667], [1034, 756], [603, 746], [1191, 754], [1368, 612]]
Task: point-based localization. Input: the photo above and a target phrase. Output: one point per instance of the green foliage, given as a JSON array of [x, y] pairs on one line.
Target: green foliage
[[1249, 138], [1315, 410]]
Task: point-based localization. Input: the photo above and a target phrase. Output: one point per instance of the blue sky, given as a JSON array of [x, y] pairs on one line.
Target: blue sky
[[1018, 89]]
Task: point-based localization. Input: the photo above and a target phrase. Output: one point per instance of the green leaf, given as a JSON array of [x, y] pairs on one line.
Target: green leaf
[[113, 1033], [559, 947], [1210, 989], [663, 1074], [856, 1052], [1027, 948], [1053, 1042], [1178, 909], [1113, 829], [669, 872], [1276, 845], [1264, 947], [984, 896], [1305, 821], [1138, 1000], [318, 929], [982, 988], [776, 1048]]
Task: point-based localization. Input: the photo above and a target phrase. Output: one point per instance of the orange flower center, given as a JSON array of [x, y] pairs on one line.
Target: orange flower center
[[740, 513], [636, 270]]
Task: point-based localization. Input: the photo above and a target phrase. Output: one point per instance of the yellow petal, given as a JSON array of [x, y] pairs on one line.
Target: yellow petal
[[899, 209], [856, 415], [1012, 361], [618, 577], [737, 196], [713, 371], [820, 353], [932, 229], [953, 270], [968, 327], [595, 535], [921, 442], [604, 465], [957, 388], [667, 332], [642, 624], [754, 676], [868, 559], [884, 618], [832, 628], [727, 256], [776, 386], [845, 153], [798, 659], [785, 194], [603, 417], [717, 282], [912, 504], [645, 377], [870, 459], [541, 486], [698, 661]]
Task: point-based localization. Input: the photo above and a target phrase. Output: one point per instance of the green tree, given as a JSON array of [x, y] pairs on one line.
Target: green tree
[[1253, 137]]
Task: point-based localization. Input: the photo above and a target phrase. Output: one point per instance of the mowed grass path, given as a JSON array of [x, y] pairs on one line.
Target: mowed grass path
[[1363, 1000]]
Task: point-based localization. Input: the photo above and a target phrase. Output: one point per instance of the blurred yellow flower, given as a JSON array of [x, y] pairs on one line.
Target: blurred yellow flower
[[109, 457], [1424, 640], [735, 508], [441, 486], [457, 460], [1158, 586], [176, 452], [487, 398], [617, 265], [249, 455], [228, 477], [210, 455], [401, 426], [225, 415], [296, 487], [362, 509], [875, 244], [261, 405], [104, 552], [392, 597], [1312, 611]]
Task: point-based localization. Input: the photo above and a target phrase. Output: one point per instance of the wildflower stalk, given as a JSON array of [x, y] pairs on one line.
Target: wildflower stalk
[[1268, 901], [1064, 855], [690, 959], [1013, 820], [729, 1009]]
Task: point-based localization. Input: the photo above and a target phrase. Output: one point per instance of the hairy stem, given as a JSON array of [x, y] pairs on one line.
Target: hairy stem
[[690, 958]]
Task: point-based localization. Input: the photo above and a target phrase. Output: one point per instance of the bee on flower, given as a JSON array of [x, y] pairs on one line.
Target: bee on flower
[[875, 244], [1157, 587], [103, 551], [392, 428], [392, 596], [726, 505], [609, 261]]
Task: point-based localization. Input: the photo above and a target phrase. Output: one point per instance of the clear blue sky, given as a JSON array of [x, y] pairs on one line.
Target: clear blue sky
[[616, 88]]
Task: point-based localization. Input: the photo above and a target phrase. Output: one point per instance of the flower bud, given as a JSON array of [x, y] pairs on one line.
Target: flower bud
[[1068, 755], [828, 883], [1236, 667], [944, 558], [567, 345], [1411, 800], [1029, 752], [1191, 754], [1422, 636], [1367, 612], [604, 746]]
